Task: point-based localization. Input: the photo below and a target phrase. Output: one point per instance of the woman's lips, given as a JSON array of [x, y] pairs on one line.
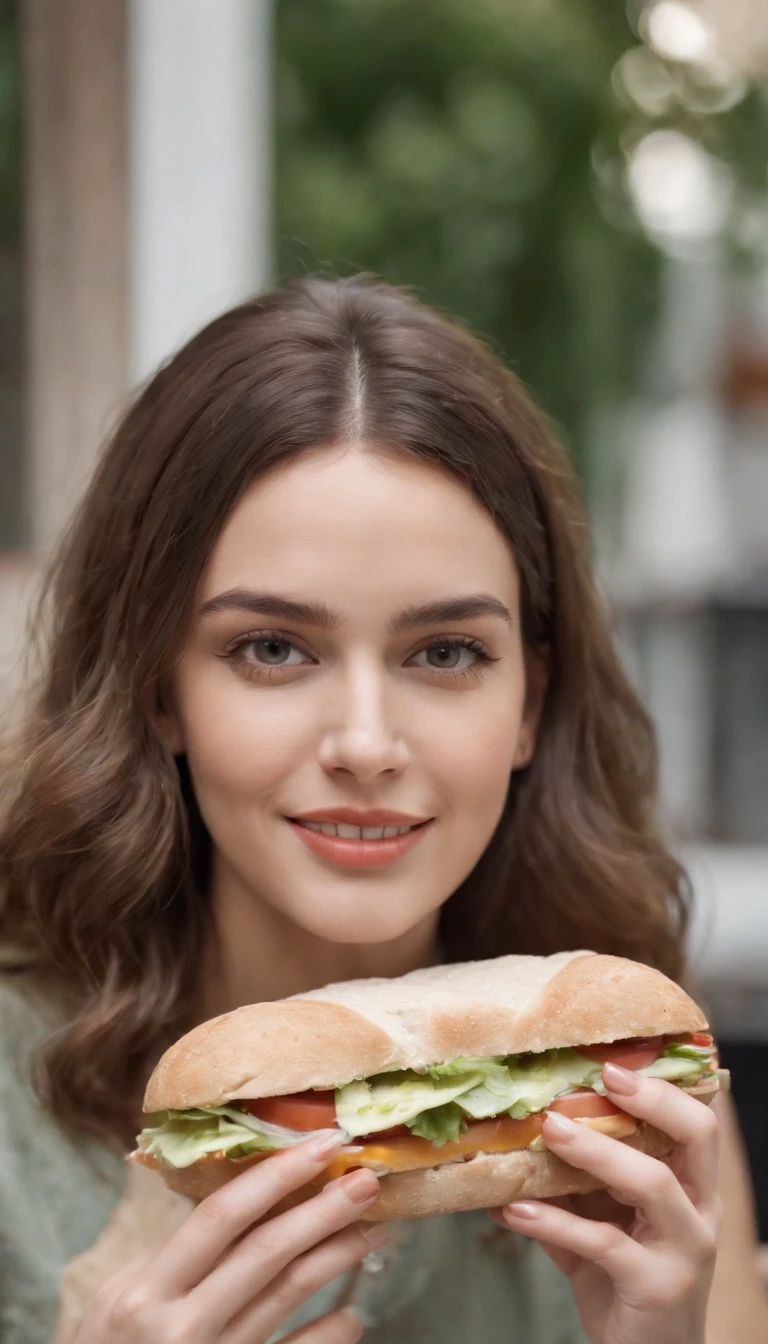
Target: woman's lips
[[359, 853]]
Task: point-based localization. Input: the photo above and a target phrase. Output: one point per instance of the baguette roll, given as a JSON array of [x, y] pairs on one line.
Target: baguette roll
[[357, 1029]]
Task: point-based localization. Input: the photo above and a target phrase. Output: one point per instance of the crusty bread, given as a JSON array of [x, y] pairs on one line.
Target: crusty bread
[[358, 1028]]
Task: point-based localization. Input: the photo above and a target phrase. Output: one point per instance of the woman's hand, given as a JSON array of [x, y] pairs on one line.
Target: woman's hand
[[642, 1255], [220, 1280]]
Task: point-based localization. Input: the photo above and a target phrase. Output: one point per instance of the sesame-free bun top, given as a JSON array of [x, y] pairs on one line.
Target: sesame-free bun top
[[359, 1028]]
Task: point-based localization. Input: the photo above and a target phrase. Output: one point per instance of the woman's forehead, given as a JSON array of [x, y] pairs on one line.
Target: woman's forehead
[[338, 515]]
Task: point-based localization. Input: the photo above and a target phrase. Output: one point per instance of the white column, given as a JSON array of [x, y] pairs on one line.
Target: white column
[[200, 166]]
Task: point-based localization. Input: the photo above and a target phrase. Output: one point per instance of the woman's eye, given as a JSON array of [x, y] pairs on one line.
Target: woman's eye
[[450, 655], [269, 651]]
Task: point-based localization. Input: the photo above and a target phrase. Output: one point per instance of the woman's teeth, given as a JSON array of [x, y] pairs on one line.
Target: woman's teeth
[[345, 832]]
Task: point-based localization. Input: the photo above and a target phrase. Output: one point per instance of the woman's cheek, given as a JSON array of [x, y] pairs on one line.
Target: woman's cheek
[[480, 748], [238, 741]]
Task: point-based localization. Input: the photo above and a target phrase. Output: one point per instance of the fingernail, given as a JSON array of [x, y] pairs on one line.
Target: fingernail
[[331, 1185], [376, 1236], [618, 1079], [360, 1186], [327, 1144], [559, 1126], [521, 1210]]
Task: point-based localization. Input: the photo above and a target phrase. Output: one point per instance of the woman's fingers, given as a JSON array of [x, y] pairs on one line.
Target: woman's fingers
[[636, 1178], [225, 1215], [691, 1124], [663, 1260], [342, 1327], [261, 1256], [566, 1261], [558, 1201], [300, 1279], [233, 1265], [568, 1238]]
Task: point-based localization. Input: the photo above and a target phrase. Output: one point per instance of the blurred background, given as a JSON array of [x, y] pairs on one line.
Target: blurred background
[[583, 182]]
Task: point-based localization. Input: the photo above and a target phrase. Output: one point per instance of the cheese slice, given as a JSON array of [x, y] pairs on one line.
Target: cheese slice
[[411, 1154], [487, 1136]]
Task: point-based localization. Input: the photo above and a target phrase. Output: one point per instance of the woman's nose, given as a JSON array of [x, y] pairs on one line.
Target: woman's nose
[[361, 734]]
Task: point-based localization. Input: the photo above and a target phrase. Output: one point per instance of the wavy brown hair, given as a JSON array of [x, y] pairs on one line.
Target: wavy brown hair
[[104, 854]]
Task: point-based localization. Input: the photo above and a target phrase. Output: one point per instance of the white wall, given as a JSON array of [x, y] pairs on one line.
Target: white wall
[[200, 166]]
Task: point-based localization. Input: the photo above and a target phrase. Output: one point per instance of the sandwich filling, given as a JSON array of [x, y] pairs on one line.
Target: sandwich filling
[[404, 1120]]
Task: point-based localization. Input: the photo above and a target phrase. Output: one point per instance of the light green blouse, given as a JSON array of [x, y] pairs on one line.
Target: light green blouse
[[456, 1279]]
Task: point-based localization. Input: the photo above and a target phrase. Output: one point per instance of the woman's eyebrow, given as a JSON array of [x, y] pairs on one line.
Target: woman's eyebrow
[[325, 618]]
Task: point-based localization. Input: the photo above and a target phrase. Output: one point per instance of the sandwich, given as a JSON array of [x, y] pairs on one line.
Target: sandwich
[[440, 1079]]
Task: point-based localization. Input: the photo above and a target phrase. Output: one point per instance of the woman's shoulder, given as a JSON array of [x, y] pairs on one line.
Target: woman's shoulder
[[28, 1016], [24, 1004], [57, 1190]]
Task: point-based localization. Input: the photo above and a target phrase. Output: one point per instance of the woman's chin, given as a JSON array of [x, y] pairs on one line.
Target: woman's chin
[[347, 926]]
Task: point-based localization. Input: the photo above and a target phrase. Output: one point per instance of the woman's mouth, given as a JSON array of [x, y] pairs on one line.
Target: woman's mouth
[[358, 846]]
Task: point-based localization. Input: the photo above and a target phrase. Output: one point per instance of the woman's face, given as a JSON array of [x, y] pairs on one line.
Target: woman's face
[[374, 707]]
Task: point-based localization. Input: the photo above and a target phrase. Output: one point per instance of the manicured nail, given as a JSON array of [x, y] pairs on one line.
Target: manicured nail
[[521, 1209], [326, 1144], [376, 1236], [618, 1079], [559, 1126], [360, 1186]]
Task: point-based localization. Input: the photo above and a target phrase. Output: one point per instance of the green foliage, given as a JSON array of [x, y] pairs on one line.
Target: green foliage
[[447, 145], [475, 149]]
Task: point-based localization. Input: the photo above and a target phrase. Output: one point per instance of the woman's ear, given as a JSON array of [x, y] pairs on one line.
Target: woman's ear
[[162, 714], [538, 665]]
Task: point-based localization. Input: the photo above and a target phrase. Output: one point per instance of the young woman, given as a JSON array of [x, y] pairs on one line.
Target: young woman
[[330, 559]]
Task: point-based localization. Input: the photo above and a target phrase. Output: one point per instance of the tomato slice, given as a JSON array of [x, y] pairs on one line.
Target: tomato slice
[[636, 1053], [583, 1103], [316, 1109], [298, 1110]]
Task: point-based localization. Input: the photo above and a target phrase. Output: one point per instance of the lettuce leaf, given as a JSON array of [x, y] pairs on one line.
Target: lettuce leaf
[[445, 1124], [390, 1099], [674, 1069], [466, 1064], [681, 1051], [526, 1084], [488, 1095], [181, 1138]]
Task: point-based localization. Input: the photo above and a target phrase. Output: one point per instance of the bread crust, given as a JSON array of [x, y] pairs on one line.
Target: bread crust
[[265, 1050], [487, 1180], [359, 1028]]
